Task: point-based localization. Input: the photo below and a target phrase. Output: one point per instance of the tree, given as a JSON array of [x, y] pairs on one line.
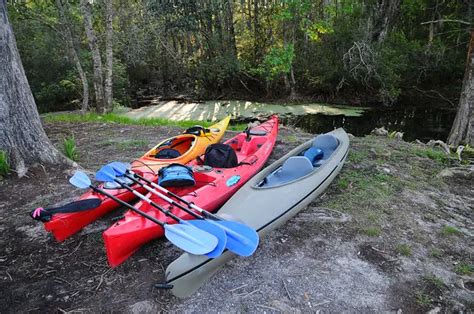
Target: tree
[[21, 133], [96, 59], [109, 56], [68, 38], [463, 126]]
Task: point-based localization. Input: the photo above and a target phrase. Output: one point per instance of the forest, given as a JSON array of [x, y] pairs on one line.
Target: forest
[[100, 54]]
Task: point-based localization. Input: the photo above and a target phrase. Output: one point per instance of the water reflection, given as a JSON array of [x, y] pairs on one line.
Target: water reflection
[[417, 123]]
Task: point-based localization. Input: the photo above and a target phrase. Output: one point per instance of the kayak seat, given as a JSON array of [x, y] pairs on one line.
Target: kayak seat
[[293, 168], [327, 144], [167, 153]]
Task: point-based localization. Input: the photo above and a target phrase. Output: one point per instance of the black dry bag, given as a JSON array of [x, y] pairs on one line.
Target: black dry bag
[[220, 156]]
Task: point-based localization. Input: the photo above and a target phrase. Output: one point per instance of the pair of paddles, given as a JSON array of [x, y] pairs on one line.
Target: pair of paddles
[[207, 234]]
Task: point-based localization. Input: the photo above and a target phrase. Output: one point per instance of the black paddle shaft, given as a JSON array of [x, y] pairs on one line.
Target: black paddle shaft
[[128, 206], [165, 211], [188, 210]]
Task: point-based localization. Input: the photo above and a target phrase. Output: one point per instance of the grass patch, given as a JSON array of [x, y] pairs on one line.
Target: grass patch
[[436, 253], [435, 281], [404, 249], [371, 231], [422, 299], [447, 231], [433, 154], [119, 119], [69, 148], [4, 164], [464, 269], [291, 139], [357, 156]]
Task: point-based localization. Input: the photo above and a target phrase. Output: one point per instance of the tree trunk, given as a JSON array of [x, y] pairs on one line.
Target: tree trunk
[[96, 59], [109, 54], [463, 126], [21, 133], [67, 35]]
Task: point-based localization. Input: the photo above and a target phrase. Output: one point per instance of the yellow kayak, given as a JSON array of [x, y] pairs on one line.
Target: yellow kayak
[[181, 148]]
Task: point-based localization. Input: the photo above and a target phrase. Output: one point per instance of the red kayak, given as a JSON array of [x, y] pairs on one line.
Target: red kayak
[[63, 225], [214, 186]]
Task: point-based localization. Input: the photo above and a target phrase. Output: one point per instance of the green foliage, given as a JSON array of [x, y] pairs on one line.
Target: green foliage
[[404, 249], [278, 61], [371, 231], [227, 49], [435, 281], [69, 148], [449, 231], [4, 164], [464, 269], [423, 299]]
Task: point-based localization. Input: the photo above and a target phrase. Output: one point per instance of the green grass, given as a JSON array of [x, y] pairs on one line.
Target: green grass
[[447, 231], [436, 252], [357, 156], [4, 164], [119, 119], [371, 231], [435, 281], [422, 299], [433, 154], [69, 148], [464, 269], [404, 249]]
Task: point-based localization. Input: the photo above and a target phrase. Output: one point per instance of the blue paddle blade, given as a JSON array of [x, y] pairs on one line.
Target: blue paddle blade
[[190, 239], [241, 239], [215, 230], [106, 174], [80, 180], [120, 168]]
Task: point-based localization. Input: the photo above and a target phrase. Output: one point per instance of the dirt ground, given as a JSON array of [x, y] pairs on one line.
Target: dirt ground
[[393, 233]]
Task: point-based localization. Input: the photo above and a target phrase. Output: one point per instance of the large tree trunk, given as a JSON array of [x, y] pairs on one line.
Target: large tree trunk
[[21, 133], [67, 35], [108, 54], [96, 59], [463, 126]]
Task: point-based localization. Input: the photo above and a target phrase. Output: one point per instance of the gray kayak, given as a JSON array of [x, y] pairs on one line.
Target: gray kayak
[[267, 201]]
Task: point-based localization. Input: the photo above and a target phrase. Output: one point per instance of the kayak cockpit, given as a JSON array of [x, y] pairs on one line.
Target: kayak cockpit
[[173, 148], [304, 163]]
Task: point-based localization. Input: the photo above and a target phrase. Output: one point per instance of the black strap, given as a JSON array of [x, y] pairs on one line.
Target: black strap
[[45, 214]]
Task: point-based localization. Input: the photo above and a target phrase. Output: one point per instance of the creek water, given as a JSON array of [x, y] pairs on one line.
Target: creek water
[[423, 123], [416, 123]]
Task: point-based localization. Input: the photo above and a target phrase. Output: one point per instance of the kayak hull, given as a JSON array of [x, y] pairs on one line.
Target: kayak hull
[[65, 225], [276, 205], [213, 188]]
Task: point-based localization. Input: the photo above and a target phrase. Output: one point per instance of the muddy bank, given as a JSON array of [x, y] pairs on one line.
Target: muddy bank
[[393, 231]]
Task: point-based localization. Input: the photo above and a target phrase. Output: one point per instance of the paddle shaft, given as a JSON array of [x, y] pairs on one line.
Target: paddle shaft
[[146, 199], [127, 205], [190, 205], [164, 197]]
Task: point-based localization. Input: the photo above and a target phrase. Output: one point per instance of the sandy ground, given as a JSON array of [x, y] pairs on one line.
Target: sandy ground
[[376, 241], [216, 110]]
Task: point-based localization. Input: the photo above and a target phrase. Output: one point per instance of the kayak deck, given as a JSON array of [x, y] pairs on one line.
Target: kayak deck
[[213, 187], [276, 203]]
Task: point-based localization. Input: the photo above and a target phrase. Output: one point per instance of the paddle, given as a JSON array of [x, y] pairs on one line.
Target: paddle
[[45, 214], [241, 239], [187, 238], [108, 174]]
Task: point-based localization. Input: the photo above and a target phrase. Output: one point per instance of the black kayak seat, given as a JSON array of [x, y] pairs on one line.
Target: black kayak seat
[[292, 169], [167, 153]]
